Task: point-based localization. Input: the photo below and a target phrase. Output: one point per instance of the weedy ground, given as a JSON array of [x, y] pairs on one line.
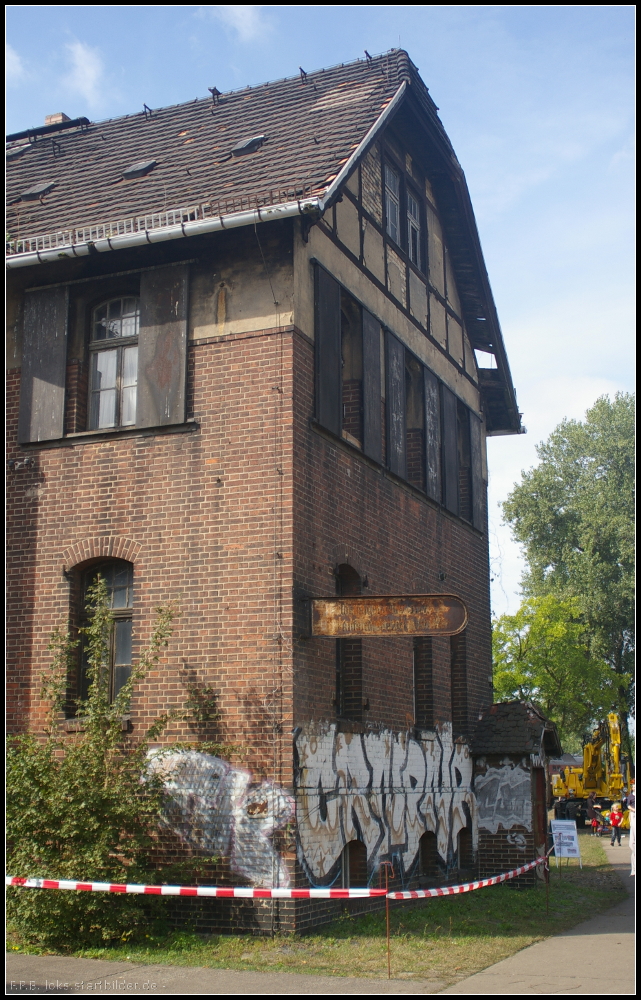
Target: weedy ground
[[444, 940]]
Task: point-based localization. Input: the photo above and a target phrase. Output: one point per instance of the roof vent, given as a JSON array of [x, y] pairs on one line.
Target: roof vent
[[248, 146], [38, 191], [138, 169], [17, 152], [57, 119]]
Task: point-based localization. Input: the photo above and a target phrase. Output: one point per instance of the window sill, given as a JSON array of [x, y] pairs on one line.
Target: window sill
[[105, 433]]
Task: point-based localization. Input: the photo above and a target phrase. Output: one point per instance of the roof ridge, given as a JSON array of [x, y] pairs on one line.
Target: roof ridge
[[268, 83]]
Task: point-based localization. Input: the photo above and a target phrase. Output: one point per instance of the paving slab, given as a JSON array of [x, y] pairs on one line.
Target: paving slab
[[594, 957], [57, 974]]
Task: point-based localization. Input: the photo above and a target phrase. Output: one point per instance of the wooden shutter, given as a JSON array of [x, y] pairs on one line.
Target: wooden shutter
[[162, 349], [395, 372], [328, 351], [373, 431], [478, 485], [450, 450], [44, 362], [433, 435]]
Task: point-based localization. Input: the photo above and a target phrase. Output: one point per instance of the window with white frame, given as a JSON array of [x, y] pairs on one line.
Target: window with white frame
[[392, 202], [114, 363]]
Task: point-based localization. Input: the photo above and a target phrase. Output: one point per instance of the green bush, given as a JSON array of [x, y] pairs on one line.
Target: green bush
[[78, 805]]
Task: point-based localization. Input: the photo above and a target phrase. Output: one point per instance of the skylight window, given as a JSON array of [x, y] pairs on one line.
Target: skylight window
[[138, 169], [17, 152], [248, 146], [38, 191]]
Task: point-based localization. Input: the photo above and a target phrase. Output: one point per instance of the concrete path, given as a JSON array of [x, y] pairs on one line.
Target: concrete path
[[596, 957]]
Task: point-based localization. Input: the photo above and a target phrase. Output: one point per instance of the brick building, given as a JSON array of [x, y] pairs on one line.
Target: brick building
[[253, 360]]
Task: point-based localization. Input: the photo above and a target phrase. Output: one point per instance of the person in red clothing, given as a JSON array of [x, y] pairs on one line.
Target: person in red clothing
[[616, 819]]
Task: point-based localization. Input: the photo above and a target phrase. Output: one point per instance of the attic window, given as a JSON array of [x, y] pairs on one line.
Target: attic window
[[138, 169], [485, 359], [38, 191], [248, 146], [16, 152]]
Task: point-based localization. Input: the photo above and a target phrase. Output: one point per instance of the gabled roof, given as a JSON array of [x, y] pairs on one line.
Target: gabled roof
[[311, 126], [515, 727], [193, 169]]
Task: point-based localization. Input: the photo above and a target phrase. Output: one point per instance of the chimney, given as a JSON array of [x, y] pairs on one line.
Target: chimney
[[57, 119]]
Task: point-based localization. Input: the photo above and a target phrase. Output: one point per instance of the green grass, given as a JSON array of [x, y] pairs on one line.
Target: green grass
[[443, 939]]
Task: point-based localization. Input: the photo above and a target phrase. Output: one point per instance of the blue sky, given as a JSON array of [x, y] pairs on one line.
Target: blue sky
[[538, 103]]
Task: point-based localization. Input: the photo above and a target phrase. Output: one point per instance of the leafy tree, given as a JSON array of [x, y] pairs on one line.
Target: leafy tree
[[574, 515], [542, 654], [77, 805]]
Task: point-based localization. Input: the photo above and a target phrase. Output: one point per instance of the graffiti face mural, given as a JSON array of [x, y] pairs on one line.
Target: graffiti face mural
[[216, 808], [384, 789]]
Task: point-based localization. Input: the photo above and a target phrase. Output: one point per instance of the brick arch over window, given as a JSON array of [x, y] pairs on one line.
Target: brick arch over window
[[101, 547]]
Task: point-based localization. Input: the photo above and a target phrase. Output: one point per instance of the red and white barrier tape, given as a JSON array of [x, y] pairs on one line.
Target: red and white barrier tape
[[245, 892], [453, 890], [237, 892]]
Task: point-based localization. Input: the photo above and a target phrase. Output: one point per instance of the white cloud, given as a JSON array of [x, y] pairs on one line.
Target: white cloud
[[86, 74], [246, 20], [15, 67]]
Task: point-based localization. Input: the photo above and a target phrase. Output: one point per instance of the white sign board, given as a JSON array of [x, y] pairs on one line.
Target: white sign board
[[565, 839]]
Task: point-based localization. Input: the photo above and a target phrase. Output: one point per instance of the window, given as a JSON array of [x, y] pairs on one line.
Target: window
[[413, 230], [352, 370], [392, 202], [423, 683], [119, 577], [354, 865], [114, 369], [104, 355]]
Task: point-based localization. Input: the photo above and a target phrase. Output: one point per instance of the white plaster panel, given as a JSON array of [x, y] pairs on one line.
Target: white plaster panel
[[352, 183], [237, 298], [435, 251], [418, 298], [396, 283], [348, 226], [455, 340], [373, 251], [438, 327]]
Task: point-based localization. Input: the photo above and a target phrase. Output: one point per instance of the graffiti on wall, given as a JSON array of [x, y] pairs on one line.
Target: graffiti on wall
[[383, 788], [503, 797], [216, 808]]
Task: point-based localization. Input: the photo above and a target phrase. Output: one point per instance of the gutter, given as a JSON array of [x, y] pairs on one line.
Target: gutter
[[314, 207]]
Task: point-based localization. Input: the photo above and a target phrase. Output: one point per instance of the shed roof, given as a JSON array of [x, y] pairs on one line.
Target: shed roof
[[515, 727]]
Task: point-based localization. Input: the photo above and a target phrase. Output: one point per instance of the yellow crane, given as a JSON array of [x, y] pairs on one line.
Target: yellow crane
[[602, 771]]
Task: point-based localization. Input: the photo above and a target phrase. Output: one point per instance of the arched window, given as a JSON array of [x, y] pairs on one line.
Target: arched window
[[354, 865], [113, 348], [428, 858], [349, 655], [119, 577], [465, 850]]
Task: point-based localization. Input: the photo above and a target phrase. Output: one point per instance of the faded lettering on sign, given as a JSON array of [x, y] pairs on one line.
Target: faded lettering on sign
[[416, 614]]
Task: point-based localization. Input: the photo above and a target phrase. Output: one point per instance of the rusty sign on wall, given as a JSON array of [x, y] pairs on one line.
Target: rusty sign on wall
[[415, 614]]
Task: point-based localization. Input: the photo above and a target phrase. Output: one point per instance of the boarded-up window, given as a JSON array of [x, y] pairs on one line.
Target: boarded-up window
[[44, 357], [478, 485], [428, 858], [352, 370], [414, 422], [458, 675], [162, 351], [464, 462], [395, 397], [432, 394], [328, 351], [423, 683], [372, 387], [354, 865], [450, 449]]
